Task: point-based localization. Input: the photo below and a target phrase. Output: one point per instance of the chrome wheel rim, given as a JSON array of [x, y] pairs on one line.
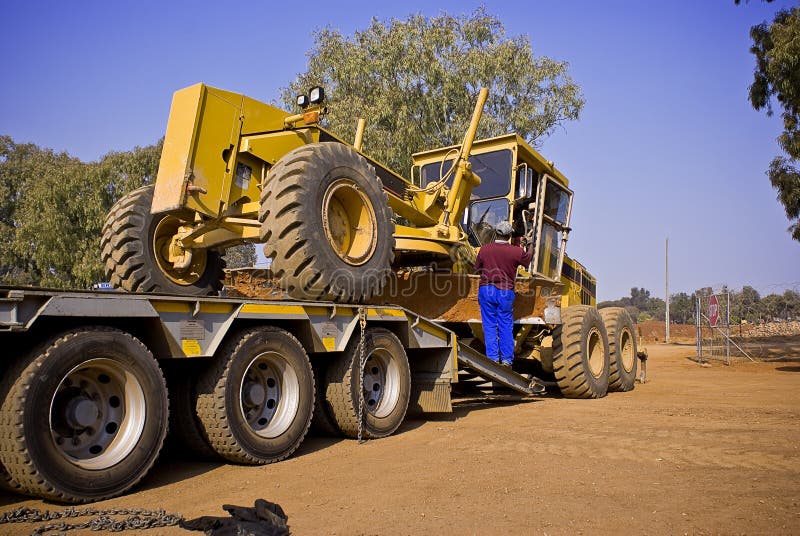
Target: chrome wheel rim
[[97, 414], [269, 395], [381, 386]]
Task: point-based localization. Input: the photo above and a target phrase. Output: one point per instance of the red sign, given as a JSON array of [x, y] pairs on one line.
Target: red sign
[[713, 311]]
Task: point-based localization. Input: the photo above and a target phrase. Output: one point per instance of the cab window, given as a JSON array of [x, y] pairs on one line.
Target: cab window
[[493, 168]]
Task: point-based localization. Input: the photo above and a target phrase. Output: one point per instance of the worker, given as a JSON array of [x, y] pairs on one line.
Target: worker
[[497, 264]]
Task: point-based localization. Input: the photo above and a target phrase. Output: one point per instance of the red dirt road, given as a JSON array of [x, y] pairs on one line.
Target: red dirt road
[[695, 450]]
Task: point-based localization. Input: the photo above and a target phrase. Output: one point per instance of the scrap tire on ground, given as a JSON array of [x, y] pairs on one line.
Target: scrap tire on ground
[[387, 369], [98, 385], [580, 353], [622, 349], [128, 250], [186, 434], [326, 224], [256, 401]]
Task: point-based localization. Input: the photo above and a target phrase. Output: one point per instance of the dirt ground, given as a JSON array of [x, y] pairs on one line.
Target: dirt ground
[[695, 450]]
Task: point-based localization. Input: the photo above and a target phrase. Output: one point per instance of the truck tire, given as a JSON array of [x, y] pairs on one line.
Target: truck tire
[[580, 353], [386, 387], [326, 224], [85, 416], [134, 245], [255, 403], [323, 423], [622, 348], [186, 433]]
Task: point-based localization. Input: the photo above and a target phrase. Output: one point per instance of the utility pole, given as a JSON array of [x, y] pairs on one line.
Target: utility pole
[[666, 298]]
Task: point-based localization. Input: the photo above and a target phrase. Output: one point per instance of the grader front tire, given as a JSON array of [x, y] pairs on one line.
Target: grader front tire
[[326, 224], [580, 353]]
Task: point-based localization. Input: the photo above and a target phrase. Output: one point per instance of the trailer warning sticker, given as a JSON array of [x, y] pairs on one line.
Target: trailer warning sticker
[[191, 347]]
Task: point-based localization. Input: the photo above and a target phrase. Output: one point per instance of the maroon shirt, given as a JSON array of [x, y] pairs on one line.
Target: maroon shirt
[[497, 263]]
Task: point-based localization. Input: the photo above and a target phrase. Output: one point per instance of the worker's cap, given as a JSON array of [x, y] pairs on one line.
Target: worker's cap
[[503, 228]]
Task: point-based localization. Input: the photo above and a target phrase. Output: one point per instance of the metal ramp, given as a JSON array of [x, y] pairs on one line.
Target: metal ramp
[[480, 365]]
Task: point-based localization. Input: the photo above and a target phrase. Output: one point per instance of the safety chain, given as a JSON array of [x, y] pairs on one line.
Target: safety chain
[[137, 519], [362, 360]]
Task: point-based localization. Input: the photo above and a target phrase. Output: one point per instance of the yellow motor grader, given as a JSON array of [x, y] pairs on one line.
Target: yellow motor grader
[[337, 225]]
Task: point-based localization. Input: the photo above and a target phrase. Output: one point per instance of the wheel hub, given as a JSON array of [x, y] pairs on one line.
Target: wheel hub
[[181, 265], [97, 413], [81, 412], [595, 352], [381, 385], [269, 395], [626, 350], [349, 222]]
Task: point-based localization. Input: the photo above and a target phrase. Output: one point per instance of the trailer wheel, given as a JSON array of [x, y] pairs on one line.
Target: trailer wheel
[[85, 416], [622, 349], [323, 423], [580, 353], [256, 402], [326, 224], [386, 386], [135, 248], [186, 433]]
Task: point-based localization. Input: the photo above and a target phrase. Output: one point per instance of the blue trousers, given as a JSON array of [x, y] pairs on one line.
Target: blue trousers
[[497, 317]]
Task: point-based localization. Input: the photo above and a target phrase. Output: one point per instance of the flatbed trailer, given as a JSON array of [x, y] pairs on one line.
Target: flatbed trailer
[[93, 380]]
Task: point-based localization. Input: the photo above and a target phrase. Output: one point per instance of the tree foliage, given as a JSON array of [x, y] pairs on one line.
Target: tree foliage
[[415, 81], [52, 208], [776, 47], [745, 305]]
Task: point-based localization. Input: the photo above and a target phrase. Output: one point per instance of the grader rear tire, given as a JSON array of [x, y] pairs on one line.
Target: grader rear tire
[[580, 353], [326, 224], [622, 349], [133, 247]]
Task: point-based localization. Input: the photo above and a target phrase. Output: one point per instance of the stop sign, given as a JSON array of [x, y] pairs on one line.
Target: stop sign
[[713, 311]]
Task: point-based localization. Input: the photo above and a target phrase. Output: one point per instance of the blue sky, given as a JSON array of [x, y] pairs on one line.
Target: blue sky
[[667, 144]]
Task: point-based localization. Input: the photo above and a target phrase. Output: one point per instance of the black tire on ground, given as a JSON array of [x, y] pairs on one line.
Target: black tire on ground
[[85, 416], [186, 434], [387, 385], [256, 401], [131, 251], [326, 223], [323, 423], [622, 349], [580, 353]]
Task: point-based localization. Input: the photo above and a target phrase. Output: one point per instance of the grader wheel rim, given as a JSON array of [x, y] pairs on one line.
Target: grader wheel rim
[[595, 353], [166, 229], [349, 221], [626, 350]]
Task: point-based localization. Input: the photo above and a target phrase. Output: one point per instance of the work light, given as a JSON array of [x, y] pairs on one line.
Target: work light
[[316, 95], [302, 101]]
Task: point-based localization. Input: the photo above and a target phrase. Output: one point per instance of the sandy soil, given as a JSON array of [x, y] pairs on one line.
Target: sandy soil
[[697, 450]]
